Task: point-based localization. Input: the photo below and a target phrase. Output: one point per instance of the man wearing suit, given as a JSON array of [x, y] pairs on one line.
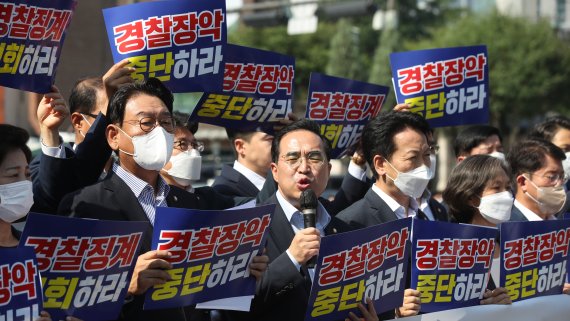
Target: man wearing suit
[[300, 161], [141, 134], [247, 175], [250, 175], [399, 155], [64, 168], [536, 166]]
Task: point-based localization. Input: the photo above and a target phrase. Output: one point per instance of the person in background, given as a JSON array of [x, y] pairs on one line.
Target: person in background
[[556, 130], [185, 164], [478, 192], [537, 171], [249, 171], [478, 139], [62, 168]]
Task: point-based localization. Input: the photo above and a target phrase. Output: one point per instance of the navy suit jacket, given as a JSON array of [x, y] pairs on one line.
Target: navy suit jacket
[[438, 210], [283, 293], [233, 183], [517, 215], [53, 177], [369, 211]]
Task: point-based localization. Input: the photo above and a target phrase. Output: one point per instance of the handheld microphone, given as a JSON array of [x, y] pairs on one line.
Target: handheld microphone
[[309, 203]]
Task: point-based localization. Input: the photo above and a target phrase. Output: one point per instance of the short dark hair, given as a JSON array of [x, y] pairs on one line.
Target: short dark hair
[[13, 138], [467, 180], [151, 86], [83, 97], [378, 134], [181, 120], [549, 127], [302, 124], [529, 155], [471, 137]]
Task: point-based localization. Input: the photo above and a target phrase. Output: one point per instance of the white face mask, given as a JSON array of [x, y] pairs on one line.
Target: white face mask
[[152, 150], [496, 208], [566, 165], [414, 182], [550, 200], [498, 155], [433, 164], [186, 167], [16, 199]]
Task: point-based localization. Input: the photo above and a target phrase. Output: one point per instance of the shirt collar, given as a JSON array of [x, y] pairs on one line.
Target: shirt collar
[[136, 184], [530, 215], [252, 176], [398, 209]]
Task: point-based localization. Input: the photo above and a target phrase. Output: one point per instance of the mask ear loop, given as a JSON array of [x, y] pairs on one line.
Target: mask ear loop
[[122, 151], [85, 119]]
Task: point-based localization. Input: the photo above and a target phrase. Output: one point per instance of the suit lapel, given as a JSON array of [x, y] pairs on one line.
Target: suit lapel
[[382, 212], [129, 206], [282, 233]]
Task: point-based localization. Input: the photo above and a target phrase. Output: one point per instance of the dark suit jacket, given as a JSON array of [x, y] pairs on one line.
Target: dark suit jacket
[[439, 211], [283, 293], [517, 215], [112, 199], [53, 177], [369, 211], [233, 183]]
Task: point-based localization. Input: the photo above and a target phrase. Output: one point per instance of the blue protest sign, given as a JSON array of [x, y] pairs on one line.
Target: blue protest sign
[[31, 40], [451, 263], [211, 252], [20, 285], [352, 266], [448, 86], [257, 91], [86, 265], [342, 107], [534, 256], [179, 42]]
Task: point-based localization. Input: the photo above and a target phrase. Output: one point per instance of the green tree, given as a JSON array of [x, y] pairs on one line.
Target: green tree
[[344, 54], [381, 73]]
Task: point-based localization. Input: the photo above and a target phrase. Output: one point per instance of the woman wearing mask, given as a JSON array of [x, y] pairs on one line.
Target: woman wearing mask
[[479, 192], [16, 196]]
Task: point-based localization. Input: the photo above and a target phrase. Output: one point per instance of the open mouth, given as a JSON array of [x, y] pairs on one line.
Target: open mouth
[[303, 184]]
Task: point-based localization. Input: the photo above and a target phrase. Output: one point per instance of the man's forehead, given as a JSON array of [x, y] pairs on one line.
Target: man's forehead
[[298, 139], [144, 105]]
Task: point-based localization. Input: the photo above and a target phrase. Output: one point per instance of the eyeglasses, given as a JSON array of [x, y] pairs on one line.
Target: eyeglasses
[[553, 179], [433, 149], [314, 159], [147, 124], [183, 145]]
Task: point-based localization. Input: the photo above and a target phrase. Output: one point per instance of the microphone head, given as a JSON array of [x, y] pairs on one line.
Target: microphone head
[[308, 199]]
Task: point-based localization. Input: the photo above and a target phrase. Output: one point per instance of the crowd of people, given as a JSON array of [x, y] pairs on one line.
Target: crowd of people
[[133, 153]]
